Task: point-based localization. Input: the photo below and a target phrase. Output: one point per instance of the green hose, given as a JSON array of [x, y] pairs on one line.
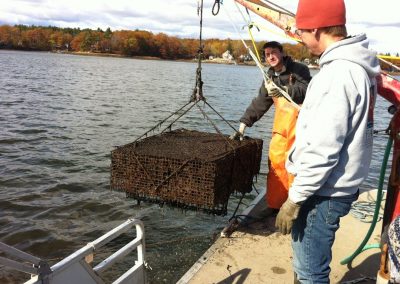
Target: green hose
[[362, 246]]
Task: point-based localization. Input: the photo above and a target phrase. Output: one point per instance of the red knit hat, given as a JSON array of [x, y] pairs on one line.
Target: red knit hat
[[312, 14]]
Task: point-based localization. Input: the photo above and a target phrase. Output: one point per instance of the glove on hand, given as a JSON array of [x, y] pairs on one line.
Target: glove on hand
[[292, 78], [287, 214], [238, 135], [272, 90]]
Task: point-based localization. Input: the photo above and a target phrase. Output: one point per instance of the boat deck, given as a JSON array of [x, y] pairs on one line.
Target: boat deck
[[256, 253]]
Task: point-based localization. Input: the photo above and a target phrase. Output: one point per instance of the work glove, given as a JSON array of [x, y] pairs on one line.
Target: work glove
[[272, 90], [287, 214], [292, 79], [238, 135]]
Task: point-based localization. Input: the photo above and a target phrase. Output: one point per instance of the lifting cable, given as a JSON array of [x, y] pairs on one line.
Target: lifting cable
[[195, 98], [158, 125], [197, 94]]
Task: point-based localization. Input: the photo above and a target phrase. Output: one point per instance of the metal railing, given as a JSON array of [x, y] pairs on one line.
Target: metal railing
[[76, 267]]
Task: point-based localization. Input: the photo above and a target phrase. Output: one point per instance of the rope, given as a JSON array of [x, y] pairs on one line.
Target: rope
[[158, 125], [255, 189], [217, 4], [389, 63], [174, 173], [144, 169], [198, 89], [237, 208], [216, 128], [253, 41], [227, 122], [170, 125], [364, 211], [249, 27]]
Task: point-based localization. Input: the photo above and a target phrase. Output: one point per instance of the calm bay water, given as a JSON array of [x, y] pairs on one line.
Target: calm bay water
[[61, 116]]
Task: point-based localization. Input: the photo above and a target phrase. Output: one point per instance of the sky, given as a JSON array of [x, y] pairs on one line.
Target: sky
[[380, 20]]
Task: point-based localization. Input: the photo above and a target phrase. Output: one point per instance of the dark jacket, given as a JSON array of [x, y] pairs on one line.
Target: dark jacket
[[297, 90]]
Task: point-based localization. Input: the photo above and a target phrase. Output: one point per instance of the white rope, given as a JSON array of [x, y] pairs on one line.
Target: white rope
[[267, 79], [240, 11]]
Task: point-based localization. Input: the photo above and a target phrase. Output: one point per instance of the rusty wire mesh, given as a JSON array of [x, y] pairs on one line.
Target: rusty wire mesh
[[188, 169]]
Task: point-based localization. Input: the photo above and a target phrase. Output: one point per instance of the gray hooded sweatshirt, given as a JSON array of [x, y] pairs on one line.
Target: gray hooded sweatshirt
[[333, 147]]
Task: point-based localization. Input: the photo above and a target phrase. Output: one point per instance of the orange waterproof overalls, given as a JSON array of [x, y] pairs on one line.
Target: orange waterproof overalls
[[283, 135]]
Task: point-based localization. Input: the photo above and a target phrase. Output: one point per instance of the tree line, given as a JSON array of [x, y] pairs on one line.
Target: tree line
[[124, 42], [130, 43]]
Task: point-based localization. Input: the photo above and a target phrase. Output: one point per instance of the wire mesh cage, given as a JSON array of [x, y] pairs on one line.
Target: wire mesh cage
[[187, 169]]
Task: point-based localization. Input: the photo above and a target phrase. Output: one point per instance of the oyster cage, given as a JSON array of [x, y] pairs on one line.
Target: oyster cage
[[186, 169]]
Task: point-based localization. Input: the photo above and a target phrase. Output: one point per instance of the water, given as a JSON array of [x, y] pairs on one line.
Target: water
[[61, 115]]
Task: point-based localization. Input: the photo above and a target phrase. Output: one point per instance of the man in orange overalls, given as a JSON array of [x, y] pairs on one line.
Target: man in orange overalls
[[292, 77]]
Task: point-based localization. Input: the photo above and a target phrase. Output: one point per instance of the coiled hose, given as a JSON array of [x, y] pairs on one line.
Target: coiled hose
[[362, 246]]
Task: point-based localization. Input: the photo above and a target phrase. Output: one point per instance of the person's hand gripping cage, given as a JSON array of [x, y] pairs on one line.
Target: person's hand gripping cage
[[239, 135]]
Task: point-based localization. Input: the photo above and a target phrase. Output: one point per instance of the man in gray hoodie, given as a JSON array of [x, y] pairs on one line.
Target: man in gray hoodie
[[331, 155]]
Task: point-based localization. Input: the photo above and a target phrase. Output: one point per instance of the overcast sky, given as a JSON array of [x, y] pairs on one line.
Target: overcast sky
[[379, 19]]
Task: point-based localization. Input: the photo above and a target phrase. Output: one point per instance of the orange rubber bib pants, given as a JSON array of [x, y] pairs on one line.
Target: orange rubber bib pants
[[283, 135]]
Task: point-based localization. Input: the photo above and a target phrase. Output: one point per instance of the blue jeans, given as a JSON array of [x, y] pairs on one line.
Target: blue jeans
[[313, 234]]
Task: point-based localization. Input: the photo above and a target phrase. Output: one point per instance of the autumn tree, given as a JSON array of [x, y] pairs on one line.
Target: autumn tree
[[168, 47], [145, 41], [189, 48], [77, 41], [124, 42], [36, 39], [56, 40], [6, 36], [239, 50]]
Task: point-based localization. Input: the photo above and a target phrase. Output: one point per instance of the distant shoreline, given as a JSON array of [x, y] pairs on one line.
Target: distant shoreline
[[212, 61], [141, 57]]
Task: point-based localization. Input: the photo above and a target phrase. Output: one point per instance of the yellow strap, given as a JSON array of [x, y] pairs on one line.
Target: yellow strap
[[253, 42]]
